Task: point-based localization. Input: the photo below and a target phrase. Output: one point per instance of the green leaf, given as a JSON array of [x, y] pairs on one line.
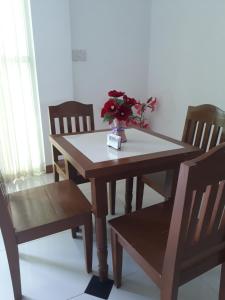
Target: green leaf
[[108, 117], [120, 101]]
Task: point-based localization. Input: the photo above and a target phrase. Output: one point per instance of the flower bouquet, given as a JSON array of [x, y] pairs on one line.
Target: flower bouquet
[[125, 111]]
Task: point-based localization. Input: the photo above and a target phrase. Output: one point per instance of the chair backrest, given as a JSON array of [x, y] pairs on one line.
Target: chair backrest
[[204, 126], [5, 218], [71, 116], [197, 230]]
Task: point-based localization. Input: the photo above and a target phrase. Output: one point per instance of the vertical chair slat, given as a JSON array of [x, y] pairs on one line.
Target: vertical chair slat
[[222, 138], [198, 137], [77, 124], [61, 125], [92, 126], [191, 132], [222, 223], [53, 127], [69, 124], [209, 202], [215, 134], [194, 214], [88, 123], [84, 118], [205, 141], [218, 208]]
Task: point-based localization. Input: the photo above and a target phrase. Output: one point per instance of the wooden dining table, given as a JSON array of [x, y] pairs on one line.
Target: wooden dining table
[[144, 152]]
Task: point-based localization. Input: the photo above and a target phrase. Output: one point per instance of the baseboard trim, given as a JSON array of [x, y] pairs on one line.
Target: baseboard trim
[[49, 169]]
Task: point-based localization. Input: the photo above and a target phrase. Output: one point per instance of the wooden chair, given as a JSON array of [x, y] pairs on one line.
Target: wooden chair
[[37, 212], [177, 245], [69, 117], [204, 128]]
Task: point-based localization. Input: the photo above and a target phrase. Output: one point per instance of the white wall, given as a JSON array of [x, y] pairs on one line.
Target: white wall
[[115, 35], [187, 58], [52, 41], [170, 49]]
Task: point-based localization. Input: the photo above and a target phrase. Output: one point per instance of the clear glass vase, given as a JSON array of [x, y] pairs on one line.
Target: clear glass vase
[[119, 129]]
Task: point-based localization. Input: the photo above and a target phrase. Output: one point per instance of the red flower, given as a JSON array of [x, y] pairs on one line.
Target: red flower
[[103, 111], [152, 102], [110, 106], [129, 101], [128, 110], [115, 94], [133, 122], [138, 107], [146, 125], [123, 113]]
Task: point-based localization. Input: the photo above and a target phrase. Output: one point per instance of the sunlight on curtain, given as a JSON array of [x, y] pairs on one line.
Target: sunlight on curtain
[[21, 141]]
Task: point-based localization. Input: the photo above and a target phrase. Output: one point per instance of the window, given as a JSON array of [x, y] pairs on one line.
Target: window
[[21, 140]]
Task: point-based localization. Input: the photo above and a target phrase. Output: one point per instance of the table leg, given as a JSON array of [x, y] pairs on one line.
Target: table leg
[[129, 194], [139, 192], [100, 210], [112, 196], [174, 183], [102, 252]]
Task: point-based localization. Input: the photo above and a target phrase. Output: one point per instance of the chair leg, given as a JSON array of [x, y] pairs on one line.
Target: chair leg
[[13, 260], [88, 243], [117, 259], [56, 175], [112, 197], [129, 195], [169, 293], [139, 193], [222, 283]]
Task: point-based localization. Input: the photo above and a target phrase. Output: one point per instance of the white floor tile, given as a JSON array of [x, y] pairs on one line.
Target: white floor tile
[[212, 278], [139, 286], [51, 268], [135, 286], [198, 289], [85, 297]]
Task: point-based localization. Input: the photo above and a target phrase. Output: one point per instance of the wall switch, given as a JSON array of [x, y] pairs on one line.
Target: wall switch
[[79, 55]]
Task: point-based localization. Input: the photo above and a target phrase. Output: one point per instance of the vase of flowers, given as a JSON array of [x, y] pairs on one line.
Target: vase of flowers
[[122, 111], [118, 128]]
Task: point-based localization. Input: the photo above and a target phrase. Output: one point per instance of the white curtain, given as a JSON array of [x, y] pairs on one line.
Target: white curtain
[[21, 140]]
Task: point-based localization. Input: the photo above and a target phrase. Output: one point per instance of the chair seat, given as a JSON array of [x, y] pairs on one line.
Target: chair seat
[[160, 182], [46, 204], [146, 232]]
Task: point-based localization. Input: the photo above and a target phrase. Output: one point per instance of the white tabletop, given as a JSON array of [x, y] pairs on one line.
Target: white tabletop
[[93, 145]]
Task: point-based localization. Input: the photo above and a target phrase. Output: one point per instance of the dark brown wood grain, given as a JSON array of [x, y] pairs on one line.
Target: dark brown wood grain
[[120, 168], [70, 115], [112, 197], [74, 117], [102, 172], [37, 212], [204, 128], [179, 241]]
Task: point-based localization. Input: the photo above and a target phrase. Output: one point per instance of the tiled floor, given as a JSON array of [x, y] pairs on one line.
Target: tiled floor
[[52, 268]]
